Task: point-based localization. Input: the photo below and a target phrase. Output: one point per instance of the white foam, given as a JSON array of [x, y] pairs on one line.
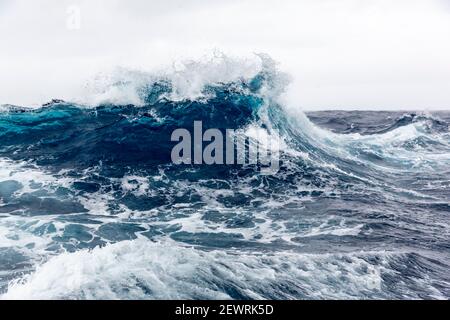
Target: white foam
[[143, 269], [326, 229], [187, 78], [27, 174]]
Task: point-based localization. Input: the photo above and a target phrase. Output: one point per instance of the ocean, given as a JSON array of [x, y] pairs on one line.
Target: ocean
[[92, 207]]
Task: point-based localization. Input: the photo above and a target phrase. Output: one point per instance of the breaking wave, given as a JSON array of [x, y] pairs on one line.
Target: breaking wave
[[92, 207]]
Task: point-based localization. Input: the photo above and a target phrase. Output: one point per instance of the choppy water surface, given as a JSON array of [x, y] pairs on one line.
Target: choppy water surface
[[91, 206]]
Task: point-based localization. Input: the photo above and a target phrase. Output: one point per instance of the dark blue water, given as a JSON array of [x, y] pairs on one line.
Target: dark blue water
[[91, 206]]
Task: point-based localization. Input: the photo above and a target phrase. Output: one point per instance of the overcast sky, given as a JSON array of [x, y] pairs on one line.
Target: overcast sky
[[346, 54]]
